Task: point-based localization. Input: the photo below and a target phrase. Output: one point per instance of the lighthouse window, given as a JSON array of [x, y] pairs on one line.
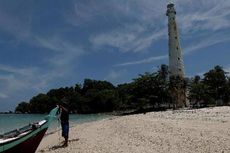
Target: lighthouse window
[[177, 48], [174, 27], [179, 69], [176, 37], [178, 58]]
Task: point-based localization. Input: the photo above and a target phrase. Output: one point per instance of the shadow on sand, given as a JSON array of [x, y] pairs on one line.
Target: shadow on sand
[[55, 147]]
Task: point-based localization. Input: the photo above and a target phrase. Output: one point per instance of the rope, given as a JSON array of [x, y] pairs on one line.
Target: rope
[[59, 129], [59, 132]]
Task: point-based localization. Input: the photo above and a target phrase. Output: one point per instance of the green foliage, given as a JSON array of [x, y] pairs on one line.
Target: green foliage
[[97, 85], [198, 90], [125, 93], [151, 89], [216, 82], [23, 107], [41, 104], [213, 89], [148, 90]]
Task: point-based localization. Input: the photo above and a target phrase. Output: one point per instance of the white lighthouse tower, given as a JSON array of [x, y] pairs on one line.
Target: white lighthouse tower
[[176, 65]]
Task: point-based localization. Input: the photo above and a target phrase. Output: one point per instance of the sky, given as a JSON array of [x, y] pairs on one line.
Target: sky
[[47, 44]]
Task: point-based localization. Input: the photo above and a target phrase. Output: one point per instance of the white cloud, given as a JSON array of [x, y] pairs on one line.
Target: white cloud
[[149, 16], [21, 71], [144, 61], [227, 69], [16, 79], [202, 15], [18, 24], [115, 75], [56, 43], [66, 52], [82, 12], [193, 47], [3, 96], [114, 39], [206, 42], [135, 35], [200, 21], [128, 39], [35, 78], [20, 84]]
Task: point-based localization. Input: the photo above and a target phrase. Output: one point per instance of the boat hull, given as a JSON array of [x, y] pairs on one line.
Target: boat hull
[[28, 146], [27, 141]]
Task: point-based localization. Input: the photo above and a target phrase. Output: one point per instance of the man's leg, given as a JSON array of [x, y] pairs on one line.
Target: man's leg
[[66, 134]]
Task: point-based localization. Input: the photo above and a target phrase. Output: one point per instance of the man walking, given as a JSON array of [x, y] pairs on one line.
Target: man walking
[[64, 117]]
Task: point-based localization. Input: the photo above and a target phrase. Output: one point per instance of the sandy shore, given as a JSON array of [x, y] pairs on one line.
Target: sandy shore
[[188, 131]]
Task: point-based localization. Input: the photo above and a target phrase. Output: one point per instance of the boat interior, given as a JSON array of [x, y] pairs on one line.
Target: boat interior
[[17, 133]]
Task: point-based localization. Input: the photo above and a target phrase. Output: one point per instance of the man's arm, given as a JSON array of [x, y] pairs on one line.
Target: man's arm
[[65, 109]]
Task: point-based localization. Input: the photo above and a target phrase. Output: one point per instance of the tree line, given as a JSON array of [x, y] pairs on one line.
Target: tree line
[[149, 91]]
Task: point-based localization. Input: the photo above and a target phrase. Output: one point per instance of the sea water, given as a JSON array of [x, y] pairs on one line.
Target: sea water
[[10, 122]]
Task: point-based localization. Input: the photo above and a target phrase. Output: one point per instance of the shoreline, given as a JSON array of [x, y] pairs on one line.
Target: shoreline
[[202, 130]]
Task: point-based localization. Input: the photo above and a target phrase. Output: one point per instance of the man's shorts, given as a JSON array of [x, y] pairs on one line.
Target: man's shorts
[[65, 130]]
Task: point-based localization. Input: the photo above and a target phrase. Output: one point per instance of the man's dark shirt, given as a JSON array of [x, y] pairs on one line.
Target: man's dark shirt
[[64, 116]]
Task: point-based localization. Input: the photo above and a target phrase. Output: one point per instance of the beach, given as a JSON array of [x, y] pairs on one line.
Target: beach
[[179, 131]]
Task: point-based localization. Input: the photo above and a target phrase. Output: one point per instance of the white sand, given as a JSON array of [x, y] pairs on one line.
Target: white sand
[[188, 131]]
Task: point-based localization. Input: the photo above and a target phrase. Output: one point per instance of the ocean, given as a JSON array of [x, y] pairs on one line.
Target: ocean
[[14, 121]]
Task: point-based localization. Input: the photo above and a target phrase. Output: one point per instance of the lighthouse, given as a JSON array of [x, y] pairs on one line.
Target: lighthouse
[[176, 65]]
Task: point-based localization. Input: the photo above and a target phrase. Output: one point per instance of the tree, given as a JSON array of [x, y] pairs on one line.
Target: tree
[[147, 91], [163, 73], [198, 92], [163, 84], [151, 89], [145, 87], [78, 88], [41, 104], [125, 93], [216, 82], [23, 107], [97, 85], [177, 89]]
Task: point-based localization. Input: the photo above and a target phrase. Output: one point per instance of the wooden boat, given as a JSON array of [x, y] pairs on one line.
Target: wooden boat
[[26, 139]]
